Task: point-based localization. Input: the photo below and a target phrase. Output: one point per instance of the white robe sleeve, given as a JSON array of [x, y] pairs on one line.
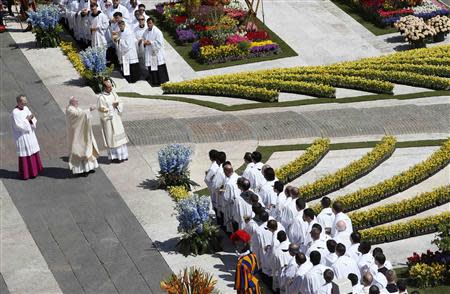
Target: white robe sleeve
[[21, 125]]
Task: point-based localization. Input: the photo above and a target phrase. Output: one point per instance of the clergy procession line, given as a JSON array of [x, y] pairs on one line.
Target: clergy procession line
[[301, 249], [83, 147], [128, 34]]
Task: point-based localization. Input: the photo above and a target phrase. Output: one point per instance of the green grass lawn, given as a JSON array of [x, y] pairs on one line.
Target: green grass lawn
[[356, 15], [183, 50]]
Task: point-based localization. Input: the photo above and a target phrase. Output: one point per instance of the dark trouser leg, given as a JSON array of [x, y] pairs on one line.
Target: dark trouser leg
[[10, 4]]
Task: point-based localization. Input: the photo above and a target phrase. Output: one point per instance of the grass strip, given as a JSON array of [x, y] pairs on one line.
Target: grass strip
[[312, 101]]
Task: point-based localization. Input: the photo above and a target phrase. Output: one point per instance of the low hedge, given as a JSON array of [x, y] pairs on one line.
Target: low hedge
[[398, 183], [399, 231], [394, 211], [356, 169], [313, 154], [246, 92], [422, 69]]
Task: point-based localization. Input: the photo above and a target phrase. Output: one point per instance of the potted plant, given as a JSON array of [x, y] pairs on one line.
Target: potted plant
[[46, 27], [191, 280], [94, 60], [442, 26], [199, 234], [415, 30], [174, 162]]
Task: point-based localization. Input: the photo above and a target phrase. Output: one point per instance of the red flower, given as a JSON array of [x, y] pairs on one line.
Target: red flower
[[179, 19], [259, 35], [199, 28], [205, 41], [384, 13]]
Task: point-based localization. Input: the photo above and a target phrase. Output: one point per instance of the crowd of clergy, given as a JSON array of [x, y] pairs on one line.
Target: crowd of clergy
[[82, 146], [296, 251], [132, 40]]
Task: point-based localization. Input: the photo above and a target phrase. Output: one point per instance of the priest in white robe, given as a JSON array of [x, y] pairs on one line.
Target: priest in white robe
[[23, 124], [256, 177], [340, 215], [281, 258], [98, 24], [229, 196], [248, 165], [304, 266], [110, 108], [344, 265], [266, 192], [139, 31], [127, 52], [82, 145], [326, 215], [155, 59], [342, 235], [313, 279]]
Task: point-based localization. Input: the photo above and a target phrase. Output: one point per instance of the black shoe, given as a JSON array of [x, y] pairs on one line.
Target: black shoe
[[92, 171], [28, 29]]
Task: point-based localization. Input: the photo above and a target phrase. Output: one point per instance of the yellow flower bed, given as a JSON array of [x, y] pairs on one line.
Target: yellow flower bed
[[261, 43], [351, 172], [71, 51], [404, 230], [209, 53], [248, 92], [313, 154], [398, 210], [398, 183], [428, 68], [178, 192], [427, 275]]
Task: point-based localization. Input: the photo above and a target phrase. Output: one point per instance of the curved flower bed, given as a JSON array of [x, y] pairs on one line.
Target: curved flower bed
[[313, 154], [398, 183], [412, 228], [428, 68], [351, 172], [394, 211], [247, 92]]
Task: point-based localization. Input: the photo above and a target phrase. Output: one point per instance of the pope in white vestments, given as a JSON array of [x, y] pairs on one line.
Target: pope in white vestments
[[110, 108], [23, 125], [82, 144]]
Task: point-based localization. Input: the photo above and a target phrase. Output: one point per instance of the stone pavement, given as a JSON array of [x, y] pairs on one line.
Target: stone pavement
[[88, 236]]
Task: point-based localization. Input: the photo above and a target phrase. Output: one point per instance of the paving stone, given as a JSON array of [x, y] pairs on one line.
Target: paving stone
[[217, 128], [80, 225], [343, 123], [156, 131], [405, 119], [280, 125], [3, 287]]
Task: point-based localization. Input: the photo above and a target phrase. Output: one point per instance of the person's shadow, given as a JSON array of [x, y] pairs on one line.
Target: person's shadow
[[48, 172]]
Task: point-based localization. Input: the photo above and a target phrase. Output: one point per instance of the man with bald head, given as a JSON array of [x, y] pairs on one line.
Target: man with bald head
[[342, 235], [339, 214], [288, 270], [80, 137]]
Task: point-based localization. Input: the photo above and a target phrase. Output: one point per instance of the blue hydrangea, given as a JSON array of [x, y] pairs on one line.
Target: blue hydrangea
[[94, 59], [46, 17], [193, 213], [174, 158]]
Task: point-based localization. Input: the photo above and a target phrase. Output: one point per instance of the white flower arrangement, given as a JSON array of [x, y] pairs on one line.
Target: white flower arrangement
[[427, 6], [440, 23], [414, 29]]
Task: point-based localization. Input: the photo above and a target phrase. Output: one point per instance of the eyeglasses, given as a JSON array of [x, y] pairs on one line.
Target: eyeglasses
[[141, 19]]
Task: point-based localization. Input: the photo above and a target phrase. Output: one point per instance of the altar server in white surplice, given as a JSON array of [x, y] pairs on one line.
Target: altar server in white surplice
[[110, 109], [313, 279], [127, 52], [255, 175], [82, 145], [155, 59], [23, 125], [98, 24], [139, 31]]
